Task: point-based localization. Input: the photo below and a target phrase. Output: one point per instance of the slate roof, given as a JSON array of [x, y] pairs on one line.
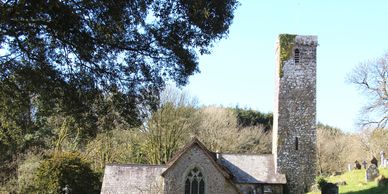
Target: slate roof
[[237, 168], [131, 178], [252, 169]]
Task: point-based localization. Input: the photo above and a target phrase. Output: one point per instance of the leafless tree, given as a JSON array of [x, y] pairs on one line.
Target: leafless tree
[[170, 127], [116, 146], [371, 78], [332, 150], [219, 131], [374, 140]]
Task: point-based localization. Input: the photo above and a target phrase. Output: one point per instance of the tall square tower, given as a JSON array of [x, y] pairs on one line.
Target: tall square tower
[[294, 129]]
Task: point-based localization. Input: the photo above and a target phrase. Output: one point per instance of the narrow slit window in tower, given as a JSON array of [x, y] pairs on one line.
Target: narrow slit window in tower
[[296, 143], [296, 56]]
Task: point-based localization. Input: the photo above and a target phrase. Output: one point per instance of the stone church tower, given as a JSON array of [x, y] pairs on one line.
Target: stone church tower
[[294, 132]]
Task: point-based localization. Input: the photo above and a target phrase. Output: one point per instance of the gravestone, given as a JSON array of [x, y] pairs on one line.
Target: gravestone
[[374, 161], [382, 157], [364, 164], [330, 188], [371, 173], [357, 165]]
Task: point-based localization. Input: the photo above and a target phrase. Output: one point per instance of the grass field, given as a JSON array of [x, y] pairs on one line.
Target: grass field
[[356, 183]]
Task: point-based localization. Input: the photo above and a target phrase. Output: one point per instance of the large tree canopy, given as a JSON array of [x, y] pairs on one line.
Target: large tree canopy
[[134, 46], [115, 42], [95, 64]]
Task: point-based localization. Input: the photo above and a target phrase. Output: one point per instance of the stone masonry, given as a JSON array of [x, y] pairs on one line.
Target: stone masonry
[[294, 133], [215, 182]]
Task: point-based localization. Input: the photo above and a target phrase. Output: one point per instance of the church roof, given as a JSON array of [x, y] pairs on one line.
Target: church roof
[[121, 178], [236, 168], [252, 169], [211, 155], [241, 168]]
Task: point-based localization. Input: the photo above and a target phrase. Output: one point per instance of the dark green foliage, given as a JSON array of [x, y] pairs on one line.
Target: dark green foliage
[[66, 169], [133, 45], [249, 117], [99, 64]]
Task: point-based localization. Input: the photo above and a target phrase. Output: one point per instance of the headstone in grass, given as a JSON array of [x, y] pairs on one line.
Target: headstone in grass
[[364, 164], [357, 165], [371, 173], [374, 161], [330, 188]]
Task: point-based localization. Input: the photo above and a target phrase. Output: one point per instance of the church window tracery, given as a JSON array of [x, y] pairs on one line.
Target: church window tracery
[[194, 183]]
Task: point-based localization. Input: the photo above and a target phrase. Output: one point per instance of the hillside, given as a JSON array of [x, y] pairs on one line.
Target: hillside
[[356, 183]]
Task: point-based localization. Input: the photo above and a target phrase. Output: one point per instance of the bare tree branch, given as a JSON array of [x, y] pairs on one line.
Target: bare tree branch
[[371, 79]]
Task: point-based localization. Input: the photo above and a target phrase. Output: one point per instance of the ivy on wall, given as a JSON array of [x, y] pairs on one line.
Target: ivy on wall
[[287, 43]]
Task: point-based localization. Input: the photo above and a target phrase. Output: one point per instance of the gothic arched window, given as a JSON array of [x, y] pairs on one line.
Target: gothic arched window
[[194, 183], [296, 56]]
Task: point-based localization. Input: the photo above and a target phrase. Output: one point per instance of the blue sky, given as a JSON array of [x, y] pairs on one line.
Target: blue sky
[[241, 69]]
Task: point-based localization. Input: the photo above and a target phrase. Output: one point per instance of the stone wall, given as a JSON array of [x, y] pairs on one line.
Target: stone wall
[[260, 188], [215, 182], [294, 133]]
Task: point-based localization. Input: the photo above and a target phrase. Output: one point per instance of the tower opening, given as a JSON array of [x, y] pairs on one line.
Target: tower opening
[[296, 56]]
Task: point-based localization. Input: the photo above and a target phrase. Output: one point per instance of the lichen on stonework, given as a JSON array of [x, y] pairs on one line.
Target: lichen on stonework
[[287, 43]]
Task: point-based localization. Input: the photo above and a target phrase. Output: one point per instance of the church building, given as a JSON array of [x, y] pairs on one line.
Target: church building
[[291, 168]]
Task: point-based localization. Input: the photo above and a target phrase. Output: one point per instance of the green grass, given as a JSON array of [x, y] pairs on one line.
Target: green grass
[[356, 183]]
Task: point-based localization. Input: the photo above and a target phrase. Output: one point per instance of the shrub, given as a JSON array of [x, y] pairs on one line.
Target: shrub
[[26, 174], [64, 169]]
